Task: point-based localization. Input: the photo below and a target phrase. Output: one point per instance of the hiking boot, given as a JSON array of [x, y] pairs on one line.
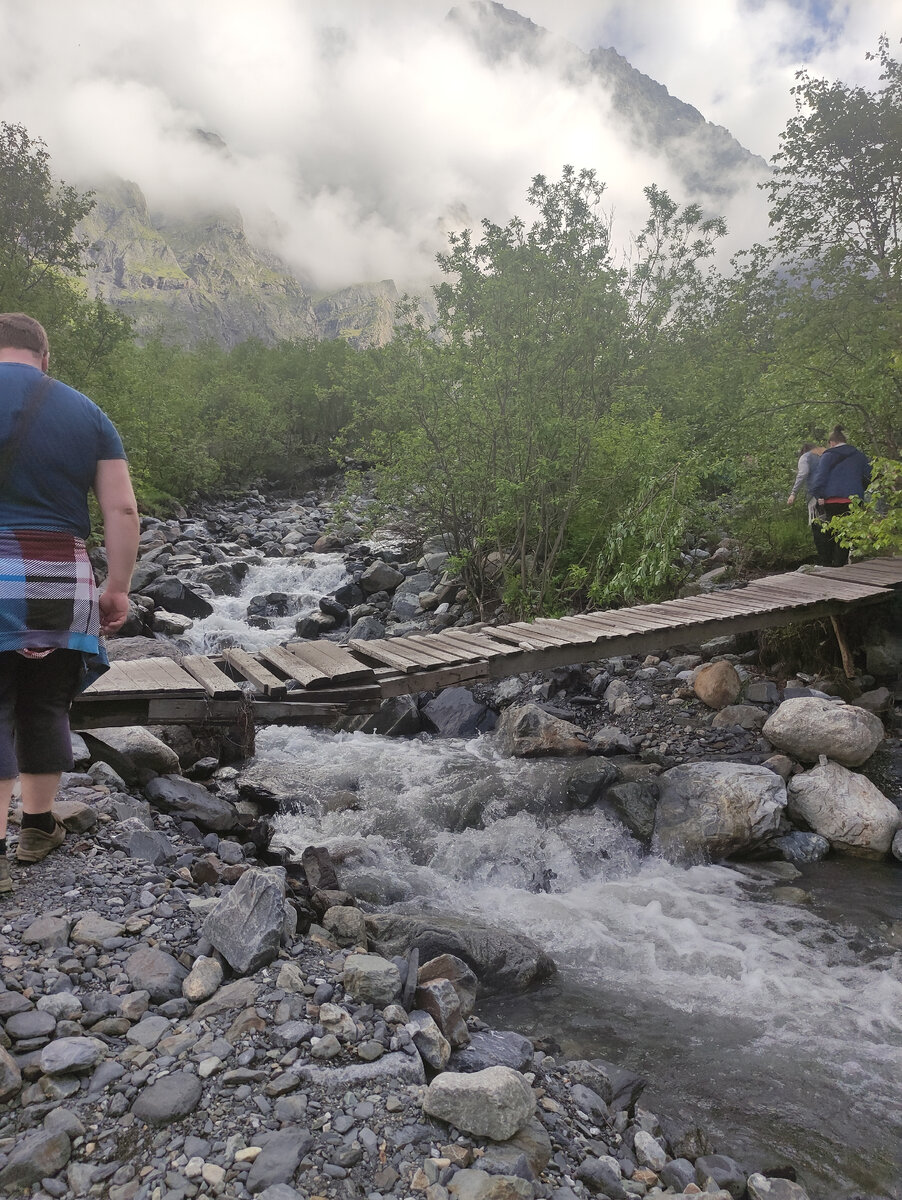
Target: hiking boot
[[6, 883], [35, 844]]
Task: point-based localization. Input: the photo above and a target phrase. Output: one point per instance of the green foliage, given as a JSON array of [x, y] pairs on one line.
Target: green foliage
[[874, 525]]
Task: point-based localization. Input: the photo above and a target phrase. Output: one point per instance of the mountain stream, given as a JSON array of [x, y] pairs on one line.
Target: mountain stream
[[776, 1025]]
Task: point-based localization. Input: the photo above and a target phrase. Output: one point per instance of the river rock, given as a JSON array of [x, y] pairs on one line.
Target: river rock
[[203, 979], [808, 727], [717, 684], [897, 846], [175, 596], [801, 847], [155, 972], [527, 731], [455, 712], [380, 577], [494, 1103], [37, 1157], [346, 924], [439, 999], [634, 804], [10, 1076], [470, 1184], [371, 979], [399, 716], [726, 1173], [762, 1188], [846, 808], [746, 716], [133, 752], [93, 930], [169, 1099], [883, 652], [494, 1048], [191, 802], [432, 1045], [586, 782], [49, 932], [246, 925], [390, 1071], [712, 810], [279, 1159], [502, 960], [448, 966], [72, 1055]]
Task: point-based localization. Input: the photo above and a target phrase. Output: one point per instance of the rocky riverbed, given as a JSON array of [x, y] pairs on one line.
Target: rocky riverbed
[[189, 1010]]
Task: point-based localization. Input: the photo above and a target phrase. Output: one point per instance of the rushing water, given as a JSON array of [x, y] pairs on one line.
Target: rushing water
[[777, 1025]]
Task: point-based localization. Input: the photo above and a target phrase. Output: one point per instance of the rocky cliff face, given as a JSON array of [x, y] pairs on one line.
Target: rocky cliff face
[[706, 157]]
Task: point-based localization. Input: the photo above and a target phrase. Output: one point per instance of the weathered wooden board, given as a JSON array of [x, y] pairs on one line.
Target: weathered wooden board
[[146, 676], [214, 682], [254, 672], [334, 661], [381, 651], [292, 666]]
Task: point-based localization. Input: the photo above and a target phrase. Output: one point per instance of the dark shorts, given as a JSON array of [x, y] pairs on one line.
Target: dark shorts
[[35, 696]]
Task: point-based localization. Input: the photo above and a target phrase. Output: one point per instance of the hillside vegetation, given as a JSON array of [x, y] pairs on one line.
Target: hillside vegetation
[[569, 418]]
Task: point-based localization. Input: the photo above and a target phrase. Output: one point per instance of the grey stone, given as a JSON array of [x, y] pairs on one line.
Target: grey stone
[[203, 979], [169, 1099], [587, 782], [762, 1188], [611, 740], [36, 1157], [528, 731], [726, 1173], [150, 846], [50, 933], [649, 1151], [503, 961], [634, 804], [155, 972], [399, 716], [279, 1159], [800, 847], [439, 999], [10, 1076], [380, 577], [471, 1184], [133, 752], [846, 808], [371, 979], [495, 1103], [148, 1031], [346, 924], [809, 727], [31, 1024], [191, 802], [602, 1175], [390, 1070], [677, 1174], [454, 969], [455, 712], [241, 993], [746, 716], [710, 810], [246, 925], [494, 1048], [93, 930], [71, 1055], [434, 1048]]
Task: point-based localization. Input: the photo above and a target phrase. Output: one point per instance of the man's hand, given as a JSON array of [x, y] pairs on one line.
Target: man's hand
[[113, 611], [791, 499]]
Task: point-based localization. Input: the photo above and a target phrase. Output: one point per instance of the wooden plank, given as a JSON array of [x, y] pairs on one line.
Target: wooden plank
[[254, 672], [477, 645], [378, 650], [428, 644], [145, 675], [334, 661], [534, 631], [214, 682], [404, 684], [516, 638], [289, 664], [565, 630], [460, 654]]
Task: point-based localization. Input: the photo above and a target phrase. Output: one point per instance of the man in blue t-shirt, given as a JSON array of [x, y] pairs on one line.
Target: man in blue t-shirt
[[56, 446]]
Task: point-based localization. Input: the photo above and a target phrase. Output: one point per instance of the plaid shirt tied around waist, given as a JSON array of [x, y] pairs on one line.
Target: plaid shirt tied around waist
[[48, 598]]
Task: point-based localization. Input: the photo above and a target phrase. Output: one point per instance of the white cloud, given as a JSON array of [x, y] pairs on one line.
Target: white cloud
[[358, 132]]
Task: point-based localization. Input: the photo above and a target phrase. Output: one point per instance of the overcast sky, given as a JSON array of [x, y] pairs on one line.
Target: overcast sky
[[360, 131]]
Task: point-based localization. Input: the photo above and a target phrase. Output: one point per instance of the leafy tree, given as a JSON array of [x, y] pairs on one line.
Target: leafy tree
[[38, 217]]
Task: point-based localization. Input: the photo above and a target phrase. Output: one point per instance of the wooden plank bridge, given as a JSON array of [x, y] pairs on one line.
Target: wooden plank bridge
[[318, 682]]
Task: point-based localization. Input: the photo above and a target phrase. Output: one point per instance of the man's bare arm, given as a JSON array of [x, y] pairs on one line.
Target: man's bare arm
[[121, 529]]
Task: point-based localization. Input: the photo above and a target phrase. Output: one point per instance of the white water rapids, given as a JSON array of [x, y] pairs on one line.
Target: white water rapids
[[777, 1025]]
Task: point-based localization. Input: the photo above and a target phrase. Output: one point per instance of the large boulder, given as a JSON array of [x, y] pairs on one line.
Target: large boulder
[[133, 752], [501, 960], [711, 810], [809, 726], [846, 808], [380, 577], [177, 597], [494, 1103], [246, 925], [527, 731]]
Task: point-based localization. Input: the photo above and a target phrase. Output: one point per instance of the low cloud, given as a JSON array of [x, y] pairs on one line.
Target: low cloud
[[354, 135]]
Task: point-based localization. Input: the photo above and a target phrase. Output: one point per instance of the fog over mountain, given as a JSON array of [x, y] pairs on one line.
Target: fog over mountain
[[352, 134]]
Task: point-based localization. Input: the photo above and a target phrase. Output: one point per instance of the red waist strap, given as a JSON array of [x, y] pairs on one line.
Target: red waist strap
[[837, 500]]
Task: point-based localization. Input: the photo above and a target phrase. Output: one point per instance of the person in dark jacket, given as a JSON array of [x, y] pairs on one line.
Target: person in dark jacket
[[842, 472]]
